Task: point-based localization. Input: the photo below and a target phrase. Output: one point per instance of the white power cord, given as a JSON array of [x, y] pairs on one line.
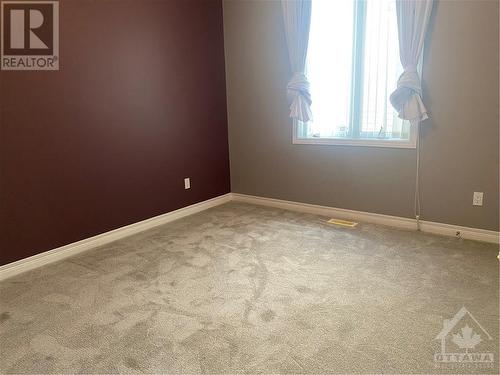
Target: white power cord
[[417, 184]]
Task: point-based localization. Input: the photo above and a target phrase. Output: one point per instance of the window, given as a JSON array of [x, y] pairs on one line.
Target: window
[[353, 66]]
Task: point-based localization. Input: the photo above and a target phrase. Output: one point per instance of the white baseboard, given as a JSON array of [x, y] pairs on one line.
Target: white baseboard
[[368, 217], [71, 249], [35, 261]]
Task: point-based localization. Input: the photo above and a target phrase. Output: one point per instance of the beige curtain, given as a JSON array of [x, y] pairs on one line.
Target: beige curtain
[[413, 19], [297, 20]]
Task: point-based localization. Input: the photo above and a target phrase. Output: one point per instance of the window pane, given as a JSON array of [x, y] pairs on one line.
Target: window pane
[[382, 68], [329, 67], [353, 66]]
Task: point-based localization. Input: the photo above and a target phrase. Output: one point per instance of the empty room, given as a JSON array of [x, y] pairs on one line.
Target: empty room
[[249, 187]]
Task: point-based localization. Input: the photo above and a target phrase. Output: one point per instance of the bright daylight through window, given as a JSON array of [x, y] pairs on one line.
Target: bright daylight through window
[[353, 66]]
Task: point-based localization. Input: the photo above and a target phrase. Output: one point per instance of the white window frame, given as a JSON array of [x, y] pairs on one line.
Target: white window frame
[[410, 143], [395, 143]]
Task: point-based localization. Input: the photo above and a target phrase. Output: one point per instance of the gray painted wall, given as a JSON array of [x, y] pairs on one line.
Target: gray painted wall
[[460, 145]]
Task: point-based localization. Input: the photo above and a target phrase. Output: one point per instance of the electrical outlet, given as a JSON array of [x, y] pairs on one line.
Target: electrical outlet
[[477, 199], [187, 183]]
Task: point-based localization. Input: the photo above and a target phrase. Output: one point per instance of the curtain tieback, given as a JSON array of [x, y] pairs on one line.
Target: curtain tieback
[[406, 99], [408, 86], [410, 79], [299, 94], [299, 86], [411, 68]]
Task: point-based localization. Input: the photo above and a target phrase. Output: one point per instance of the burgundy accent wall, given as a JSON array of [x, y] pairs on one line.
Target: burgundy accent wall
[[138, 104]]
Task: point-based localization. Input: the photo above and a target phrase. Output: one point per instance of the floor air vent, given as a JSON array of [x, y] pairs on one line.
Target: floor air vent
[[343, 223]]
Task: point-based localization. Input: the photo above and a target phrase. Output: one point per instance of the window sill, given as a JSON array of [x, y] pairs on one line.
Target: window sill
[[354, 142]]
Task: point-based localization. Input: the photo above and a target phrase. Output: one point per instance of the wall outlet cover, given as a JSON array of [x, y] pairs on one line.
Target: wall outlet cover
[[187, 183], [477, 198]]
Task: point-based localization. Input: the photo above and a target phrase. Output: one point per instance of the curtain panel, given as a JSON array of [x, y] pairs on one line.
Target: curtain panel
[[297, 21], [413, 19]]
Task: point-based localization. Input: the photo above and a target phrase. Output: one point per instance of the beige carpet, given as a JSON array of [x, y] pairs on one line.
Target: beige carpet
[[247, 289]]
